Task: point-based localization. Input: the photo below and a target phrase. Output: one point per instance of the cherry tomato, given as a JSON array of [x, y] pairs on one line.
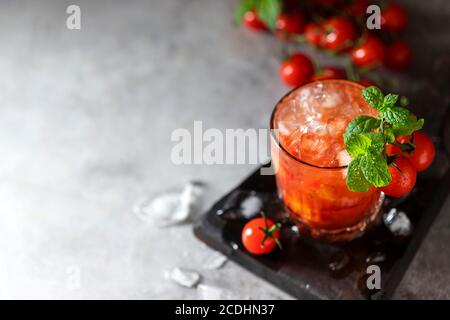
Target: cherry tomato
[[403, 178], [329, 72], [252, 21], [369, 53], [422, 156], [394, 18], [314, 33], [357, 8], [296, 70], [367, 83], [339, 34], [398, 55], [260, 236], [293, 23]]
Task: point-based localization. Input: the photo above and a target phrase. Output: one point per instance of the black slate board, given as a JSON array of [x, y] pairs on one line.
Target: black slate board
[[302, 268]]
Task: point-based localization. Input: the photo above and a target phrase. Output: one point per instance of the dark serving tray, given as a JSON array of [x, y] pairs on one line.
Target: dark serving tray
[[310, 269]]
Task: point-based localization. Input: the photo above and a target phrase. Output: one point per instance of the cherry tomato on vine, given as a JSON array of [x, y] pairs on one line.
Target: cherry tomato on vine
[[369, 53], [398, 55], [329, 72], [403, 178], [314, 33], [253, 22], [296, 70], [423, 154], [339, 34], [394, 18], [292, 23], [260, 235]]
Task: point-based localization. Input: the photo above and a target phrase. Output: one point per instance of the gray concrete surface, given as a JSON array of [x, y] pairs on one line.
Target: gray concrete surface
[[85, 124]]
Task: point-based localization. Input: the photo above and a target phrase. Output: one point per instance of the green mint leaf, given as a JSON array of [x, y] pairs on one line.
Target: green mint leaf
[[397, 116], [408, 129], [375, 169], [362, 124], [242, 7], [373, 96], [357, 144], [389, 135], [377, 142], [390, 100], [356, 181], [268, 10]]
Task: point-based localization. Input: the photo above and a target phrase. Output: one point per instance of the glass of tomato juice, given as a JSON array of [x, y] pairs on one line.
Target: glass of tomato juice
[[310, 160]]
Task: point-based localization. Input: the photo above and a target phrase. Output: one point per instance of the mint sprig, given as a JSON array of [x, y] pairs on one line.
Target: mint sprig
[[366, 138]]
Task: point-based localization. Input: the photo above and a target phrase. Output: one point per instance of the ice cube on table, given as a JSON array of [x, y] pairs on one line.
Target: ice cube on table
[[214, 261], [171, 207], [207, 292], [185, 278], [397, 222], [251, 205]]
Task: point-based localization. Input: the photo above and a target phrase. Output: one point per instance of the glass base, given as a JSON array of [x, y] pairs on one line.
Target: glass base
[[339, 235]]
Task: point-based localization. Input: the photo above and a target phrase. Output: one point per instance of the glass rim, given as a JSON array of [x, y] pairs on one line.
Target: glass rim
[[272, 119]]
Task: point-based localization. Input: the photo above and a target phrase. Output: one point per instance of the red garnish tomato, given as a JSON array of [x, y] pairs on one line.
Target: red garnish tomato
[[403, 176], [398, 55], [394, 18], [423, 154], [260, 235], [292, 23], [314, 33], [339, 34], [253, 22], [329, 72], [369, 53], [296, 70]]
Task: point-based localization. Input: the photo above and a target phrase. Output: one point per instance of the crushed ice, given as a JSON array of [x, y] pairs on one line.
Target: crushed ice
[[214, 261], [185, 278], [171, 207], [397, 222], [213, 293], [251, 206]]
